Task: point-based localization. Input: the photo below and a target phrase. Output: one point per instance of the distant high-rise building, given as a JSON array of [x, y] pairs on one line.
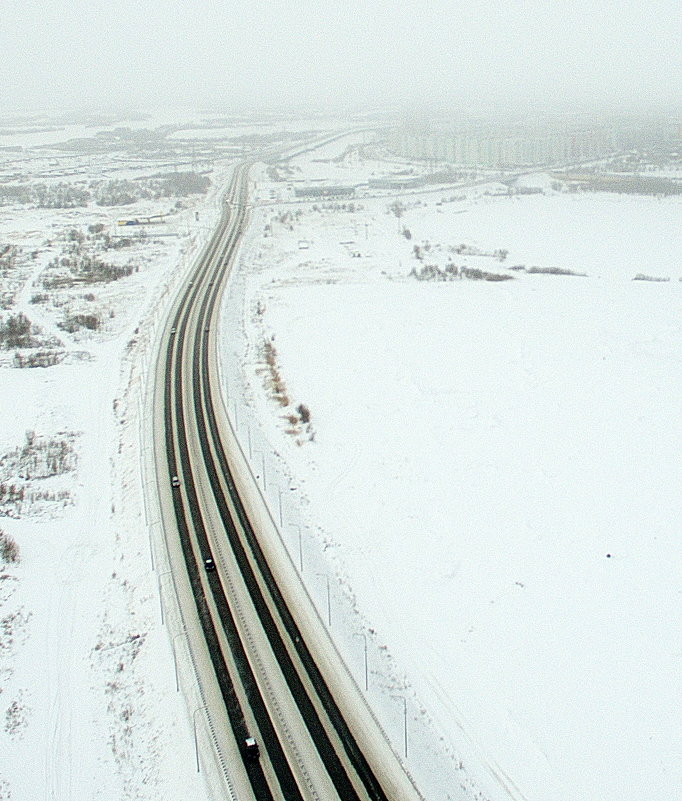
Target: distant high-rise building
[[513, 146]]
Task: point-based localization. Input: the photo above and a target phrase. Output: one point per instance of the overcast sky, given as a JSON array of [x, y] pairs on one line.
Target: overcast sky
[[259, 53]]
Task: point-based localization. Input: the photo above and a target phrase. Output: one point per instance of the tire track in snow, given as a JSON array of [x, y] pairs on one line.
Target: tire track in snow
[[60, 642]]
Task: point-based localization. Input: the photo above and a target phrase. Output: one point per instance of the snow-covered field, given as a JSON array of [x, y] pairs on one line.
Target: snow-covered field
[[476, 479], [485, 496], [97, 696], [88, 700]]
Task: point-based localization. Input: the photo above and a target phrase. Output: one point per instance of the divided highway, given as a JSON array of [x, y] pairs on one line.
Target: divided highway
[[285, 721]]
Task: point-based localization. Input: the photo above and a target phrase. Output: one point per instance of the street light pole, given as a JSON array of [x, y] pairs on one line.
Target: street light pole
[[262, 460], [404, 700], [196, 742], [364, 638], [329, 600], [300, 547], [175, 661], [158, 581], [150, 528]]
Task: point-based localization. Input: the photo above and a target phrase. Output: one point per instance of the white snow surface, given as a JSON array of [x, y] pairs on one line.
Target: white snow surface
[[484, 502], [490, 478], [88, 700]]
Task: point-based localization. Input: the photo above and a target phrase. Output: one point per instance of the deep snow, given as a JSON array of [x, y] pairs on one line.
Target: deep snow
[[492, 488], [88, 701]]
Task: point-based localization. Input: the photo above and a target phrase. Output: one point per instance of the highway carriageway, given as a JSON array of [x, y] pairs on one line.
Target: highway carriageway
[[264, 667]]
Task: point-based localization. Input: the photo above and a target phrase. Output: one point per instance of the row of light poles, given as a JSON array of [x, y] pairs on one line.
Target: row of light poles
[[325, 576]]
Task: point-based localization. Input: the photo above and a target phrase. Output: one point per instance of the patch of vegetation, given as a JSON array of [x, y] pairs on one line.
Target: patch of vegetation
[[300, 424], [349, 208], [19, 194], [657, 279], [74, 322], [80, 262], [11, 498], [16, 718], [553, 271], [45, 196], [84, 268], [8, 258], [628, 185], [122, 192], [274, 380], [451, 272], [470, 250], [40, 457], [60, 196], [18, 332], [474, 274], [9, 550], [419, 251], [41, 358], [288, 218]]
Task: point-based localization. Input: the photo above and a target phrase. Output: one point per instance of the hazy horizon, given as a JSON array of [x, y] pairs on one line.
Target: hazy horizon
[[604, 55]]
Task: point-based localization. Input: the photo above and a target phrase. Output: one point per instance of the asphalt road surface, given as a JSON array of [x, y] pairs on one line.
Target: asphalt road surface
[[265, 666]]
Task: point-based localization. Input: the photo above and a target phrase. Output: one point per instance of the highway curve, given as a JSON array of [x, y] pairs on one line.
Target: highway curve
[[263, 675]]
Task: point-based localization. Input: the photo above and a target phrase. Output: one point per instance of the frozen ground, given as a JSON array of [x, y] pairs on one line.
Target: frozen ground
[[90, 706], [88, 701], [482, 500], [487, 487]]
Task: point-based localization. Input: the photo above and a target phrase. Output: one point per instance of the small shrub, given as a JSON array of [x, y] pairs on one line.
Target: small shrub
[[552, 271], [17, 332], [432, 272], [9, 550], [41, 358], [497, 277], [642, 277], [75, 322]]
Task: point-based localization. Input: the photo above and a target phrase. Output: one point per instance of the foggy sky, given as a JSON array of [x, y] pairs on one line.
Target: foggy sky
[[252, 53]]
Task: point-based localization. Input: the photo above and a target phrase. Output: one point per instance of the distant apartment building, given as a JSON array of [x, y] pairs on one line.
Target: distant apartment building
[[498, 147]]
